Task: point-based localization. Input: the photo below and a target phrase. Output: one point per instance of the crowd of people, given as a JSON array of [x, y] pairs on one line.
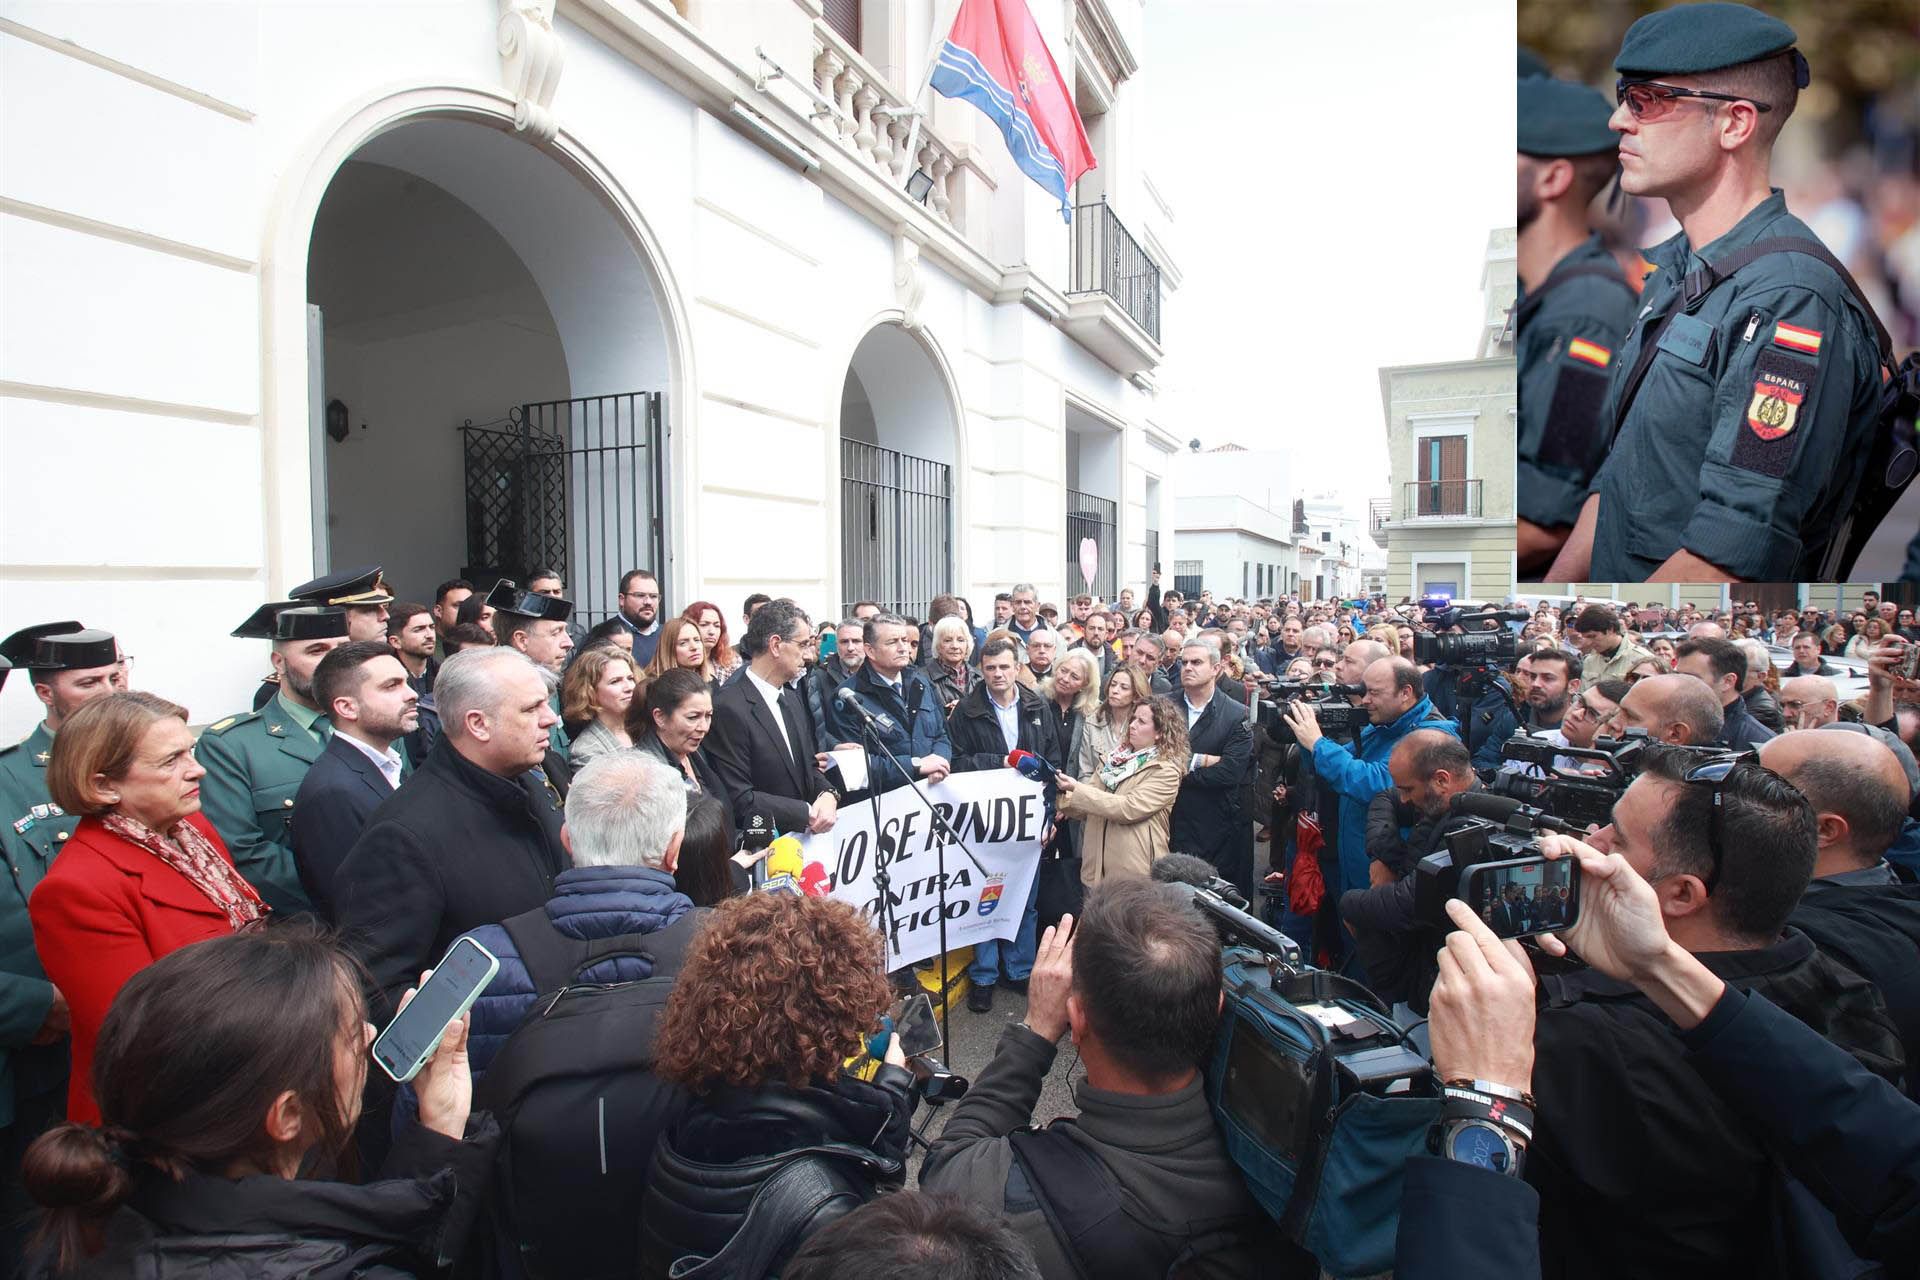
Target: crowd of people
[[209, 928]]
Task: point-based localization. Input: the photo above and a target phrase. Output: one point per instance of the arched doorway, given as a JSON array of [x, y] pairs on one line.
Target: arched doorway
[[898, 454], [488, 359]]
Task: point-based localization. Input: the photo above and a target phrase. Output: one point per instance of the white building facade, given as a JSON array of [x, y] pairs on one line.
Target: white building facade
[[1234, 515], [465, 286]]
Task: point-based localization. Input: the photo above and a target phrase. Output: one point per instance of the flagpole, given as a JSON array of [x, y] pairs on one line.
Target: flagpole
[[941, 30]]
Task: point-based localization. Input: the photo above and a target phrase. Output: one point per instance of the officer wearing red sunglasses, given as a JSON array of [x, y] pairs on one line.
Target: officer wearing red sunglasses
[[1743, 398]]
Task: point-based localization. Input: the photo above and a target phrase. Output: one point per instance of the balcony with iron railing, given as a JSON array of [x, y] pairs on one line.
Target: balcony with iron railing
[[1441, 500], [1113, 291]]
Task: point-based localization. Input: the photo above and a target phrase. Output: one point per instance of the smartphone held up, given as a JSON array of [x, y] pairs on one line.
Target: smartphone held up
[[1523, 896], [415, 1032]]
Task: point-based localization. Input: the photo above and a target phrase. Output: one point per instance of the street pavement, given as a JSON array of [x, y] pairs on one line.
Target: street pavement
[[974, 1038]]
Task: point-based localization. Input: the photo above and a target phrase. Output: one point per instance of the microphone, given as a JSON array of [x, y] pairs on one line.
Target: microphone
[[1222, 904], [880, 720], [1503, 809], [1031, 766], [788, 870]]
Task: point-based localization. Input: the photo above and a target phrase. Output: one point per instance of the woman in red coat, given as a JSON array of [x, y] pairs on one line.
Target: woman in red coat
[[143, 874]]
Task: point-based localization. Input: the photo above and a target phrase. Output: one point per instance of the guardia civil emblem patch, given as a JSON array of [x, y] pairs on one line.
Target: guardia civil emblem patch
[[1775, 405]]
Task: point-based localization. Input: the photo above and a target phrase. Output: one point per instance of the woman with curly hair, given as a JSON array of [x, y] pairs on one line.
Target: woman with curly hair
[[721, 659], [776, 993], [595, 696], [1128, 800]]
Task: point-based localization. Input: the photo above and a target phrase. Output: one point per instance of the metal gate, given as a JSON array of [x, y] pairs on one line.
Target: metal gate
[[1096, 518], [896, 528], [577, 486]]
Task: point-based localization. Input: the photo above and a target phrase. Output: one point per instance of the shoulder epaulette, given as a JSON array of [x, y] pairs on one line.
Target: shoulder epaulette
[[222, 726]]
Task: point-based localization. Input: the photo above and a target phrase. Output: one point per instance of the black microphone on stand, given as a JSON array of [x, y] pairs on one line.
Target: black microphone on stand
[[880, 720]]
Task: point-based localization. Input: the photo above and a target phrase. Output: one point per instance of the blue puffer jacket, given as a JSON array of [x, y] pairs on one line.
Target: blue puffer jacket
[[1359, 778], [588, 903]]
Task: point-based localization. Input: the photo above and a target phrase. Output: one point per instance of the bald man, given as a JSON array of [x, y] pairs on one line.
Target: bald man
[[1854, 909], [1706, 631], [1809, 701], [1674, 709]]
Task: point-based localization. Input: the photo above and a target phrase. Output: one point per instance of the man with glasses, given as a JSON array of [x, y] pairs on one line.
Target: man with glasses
[[1729, 848], [762, 744], [1744, 399], [640, 611], [1574, 306]]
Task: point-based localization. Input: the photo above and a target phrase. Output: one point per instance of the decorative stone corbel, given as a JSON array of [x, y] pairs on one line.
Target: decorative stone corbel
[[909, 287], [531, 58]]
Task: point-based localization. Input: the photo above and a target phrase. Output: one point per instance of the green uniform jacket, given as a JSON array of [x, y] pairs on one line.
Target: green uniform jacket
[[1750, 432], [29, 843], [255, 764], [1565, 346]]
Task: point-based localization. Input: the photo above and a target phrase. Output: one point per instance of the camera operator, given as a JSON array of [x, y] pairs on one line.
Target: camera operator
[[1429, 768], [1841, 1130], [1855, 910], [1137, 981], [1633, 1135], [1677, 710], [1494, 716], [1721, 666], [1396, 705]]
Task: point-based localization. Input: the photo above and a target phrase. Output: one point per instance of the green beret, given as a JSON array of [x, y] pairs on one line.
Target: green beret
[[1531, 64], [1690, 38], [1562, 119]]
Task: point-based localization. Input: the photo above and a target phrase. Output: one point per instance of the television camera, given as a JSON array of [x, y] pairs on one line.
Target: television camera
[[1339, 719]]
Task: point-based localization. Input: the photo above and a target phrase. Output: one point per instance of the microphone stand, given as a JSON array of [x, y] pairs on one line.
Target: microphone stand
[[869, 739]]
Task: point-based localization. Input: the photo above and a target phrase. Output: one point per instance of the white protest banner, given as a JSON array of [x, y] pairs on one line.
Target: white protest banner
[[999, 816]]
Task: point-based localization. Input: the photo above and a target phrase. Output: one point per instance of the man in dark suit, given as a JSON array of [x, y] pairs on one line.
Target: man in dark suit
[[762, 744], [474, 836], [365, 691], [1207, 818]]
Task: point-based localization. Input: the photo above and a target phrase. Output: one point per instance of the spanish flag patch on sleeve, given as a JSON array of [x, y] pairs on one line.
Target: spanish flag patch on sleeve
[[1807, 340], [1592, 352]]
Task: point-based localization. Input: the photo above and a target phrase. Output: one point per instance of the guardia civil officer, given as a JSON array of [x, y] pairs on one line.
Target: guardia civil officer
[[255, 762], [362, 592], [535, 624], [1744, 396], [1574, 305], [68, 666]]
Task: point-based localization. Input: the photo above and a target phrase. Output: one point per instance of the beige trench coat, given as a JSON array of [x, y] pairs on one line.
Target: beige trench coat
[[1126, 830]]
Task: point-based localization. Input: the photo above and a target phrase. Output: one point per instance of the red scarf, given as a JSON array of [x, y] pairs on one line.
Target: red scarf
[[189, 852]]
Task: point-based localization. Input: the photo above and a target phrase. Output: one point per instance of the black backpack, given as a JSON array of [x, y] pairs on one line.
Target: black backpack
[[578, 1106], [1100, 1235]]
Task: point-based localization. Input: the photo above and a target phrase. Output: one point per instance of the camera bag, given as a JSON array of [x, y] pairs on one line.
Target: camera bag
[[1302, 1107]]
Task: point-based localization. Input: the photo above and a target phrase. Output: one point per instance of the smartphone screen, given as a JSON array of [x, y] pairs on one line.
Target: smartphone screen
[[1524, 896], [914, 1023], [409, 1040]]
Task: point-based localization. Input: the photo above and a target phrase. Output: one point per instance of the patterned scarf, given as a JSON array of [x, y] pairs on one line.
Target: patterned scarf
[[194, 856], [1123, 764]]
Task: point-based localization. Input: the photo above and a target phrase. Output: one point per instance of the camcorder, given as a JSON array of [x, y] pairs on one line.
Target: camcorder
[[1470, 658], [1339, 719]]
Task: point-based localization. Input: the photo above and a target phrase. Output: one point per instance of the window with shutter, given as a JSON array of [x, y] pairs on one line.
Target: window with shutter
[[844, 17]]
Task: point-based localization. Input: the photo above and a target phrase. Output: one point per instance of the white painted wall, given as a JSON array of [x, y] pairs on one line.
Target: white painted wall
[[165, 161]]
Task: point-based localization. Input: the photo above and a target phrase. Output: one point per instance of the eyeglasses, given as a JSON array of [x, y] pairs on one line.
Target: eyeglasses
[[1326, 664], [1714, 772], [1651, 100]]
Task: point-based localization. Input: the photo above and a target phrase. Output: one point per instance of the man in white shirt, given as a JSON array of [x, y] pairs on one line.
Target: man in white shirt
[[762, 743]]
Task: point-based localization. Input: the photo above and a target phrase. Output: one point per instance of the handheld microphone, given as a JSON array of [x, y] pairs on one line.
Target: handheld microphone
[[880, 720], [1503, 809], [1031, 766], [788, 870]]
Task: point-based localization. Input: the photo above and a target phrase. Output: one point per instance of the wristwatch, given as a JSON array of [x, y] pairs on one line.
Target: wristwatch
[[1481, 1143]]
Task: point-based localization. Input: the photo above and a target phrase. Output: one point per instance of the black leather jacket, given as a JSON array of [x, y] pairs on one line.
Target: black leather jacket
[[708, 1167]]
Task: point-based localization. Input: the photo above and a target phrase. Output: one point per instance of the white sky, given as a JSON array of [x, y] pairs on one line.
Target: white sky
[[1334, 167]]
